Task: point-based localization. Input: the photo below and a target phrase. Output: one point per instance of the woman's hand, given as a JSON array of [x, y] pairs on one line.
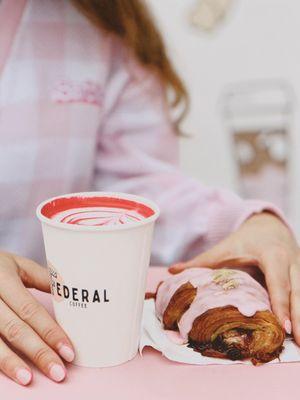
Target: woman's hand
[[26, 326], [264, 241]]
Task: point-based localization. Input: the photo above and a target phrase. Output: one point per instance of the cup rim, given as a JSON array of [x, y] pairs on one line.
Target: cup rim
[[90, 228]]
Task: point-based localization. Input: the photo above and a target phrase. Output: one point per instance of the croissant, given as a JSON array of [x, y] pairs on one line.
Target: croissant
[[221, 313]]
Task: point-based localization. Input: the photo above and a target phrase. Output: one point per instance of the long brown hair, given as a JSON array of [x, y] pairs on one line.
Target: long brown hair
[[131, 21]]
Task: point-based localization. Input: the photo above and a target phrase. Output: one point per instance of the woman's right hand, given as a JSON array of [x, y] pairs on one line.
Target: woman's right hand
[[26, 326]]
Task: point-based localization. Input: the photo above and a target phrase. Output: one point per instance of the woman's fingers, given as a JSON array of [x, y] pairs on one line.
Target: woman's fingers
[[219, 256], [206, 259], [32, 274], [23, 303], [295, 300], [275, 264], [25, 339], [13, 366]]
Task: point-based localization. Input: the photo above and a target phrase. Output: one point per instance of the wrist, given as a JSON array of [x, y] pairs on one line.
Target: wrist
[[269, 222]]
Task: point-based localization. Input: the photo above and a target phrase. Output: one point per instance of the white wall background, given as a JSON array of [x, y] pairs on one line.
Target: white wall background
[[260, 39]]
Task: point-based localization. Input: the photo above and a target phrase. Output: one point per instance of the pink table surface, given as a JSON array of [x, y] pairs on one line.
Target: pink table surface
[[152, 376]]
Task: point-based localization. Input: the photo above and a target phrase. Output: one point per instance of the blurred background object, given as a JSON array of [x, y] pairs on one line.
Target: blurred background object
[[257, 115], [208, 14], [256, 42]]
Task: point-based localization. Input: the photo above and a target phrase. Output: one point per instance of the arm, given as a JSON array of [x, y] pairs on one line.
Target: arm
[[138, 153]]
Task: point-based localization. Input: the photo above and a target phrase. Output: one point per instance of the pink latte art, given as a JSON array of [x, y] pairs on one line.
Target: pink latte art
[[96, 211], [98, 216]]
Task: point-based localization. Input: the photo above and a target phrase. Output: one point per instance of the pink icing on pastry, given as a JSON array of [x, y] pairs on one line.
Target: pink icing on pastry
[[215, 288]]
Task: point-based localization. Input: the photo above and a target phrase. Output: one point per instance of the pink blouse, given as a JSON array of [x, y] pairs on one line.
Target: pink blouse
[[77, 113]]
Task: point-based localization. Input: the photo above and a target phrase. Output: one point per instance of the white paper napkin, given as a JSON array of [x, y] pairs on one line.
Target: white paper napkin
[[153, 335]]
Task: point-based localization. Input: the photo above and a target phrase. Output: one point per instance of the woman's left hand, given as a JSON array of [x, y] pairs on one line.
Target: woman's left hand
[[265, 241]]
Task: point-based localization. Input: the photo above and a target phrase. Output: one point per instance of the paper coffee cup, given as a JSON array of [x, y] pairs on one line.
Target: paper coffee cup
[[98, 272]]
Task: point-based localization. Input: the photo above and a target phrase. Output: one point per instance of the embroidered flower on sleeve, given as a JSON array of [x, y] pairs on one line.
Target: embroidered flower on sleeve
[[69, 91]]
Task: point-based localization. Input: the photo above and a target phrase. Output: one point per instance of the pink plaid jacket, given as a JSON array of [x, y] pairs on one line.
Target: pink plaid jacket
[[77, 113]]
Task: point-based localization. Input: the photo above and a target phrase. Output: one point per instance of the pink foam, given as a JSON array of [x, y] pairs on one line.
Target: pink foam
[[95, 210]]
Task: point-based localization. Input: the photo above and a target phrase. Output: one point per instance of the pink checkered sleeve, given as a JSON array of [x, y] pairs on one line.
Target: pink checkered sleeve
[[138, 153], [77, 114], [53, 67]]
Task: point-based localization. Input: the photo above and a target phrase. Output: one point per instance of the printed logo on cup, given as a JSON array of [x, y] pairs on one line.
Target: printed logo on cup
[[76, 297]]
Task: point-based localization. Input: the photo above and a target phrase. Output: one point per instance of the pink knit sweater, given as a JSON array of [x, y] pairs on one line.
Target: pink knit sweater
[[77, 113]]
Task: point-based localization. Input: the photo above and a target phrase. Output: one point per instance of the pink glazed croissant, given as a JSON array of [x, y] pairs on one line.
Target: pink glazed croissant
[[220, 313]]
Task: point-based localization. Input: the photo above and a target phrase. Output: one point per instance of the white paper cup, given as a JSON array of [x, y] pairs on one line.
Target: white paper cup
[[98, 277]]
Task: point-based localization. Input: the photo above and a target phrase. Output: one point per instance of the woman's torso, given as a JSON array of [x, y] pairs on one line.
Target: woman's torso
[[51, 106]]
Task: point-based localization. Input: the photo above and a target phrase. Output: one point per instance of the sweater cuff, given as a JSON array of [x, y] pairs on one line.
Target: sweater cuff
[[231, 216], [252, 207]]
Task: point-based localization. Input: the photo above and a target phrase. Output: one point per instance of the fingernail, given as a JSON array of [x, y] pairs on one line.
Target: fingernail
[[66, 352], [288, 326], [57, 372], [176, 267], [23, 376]]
